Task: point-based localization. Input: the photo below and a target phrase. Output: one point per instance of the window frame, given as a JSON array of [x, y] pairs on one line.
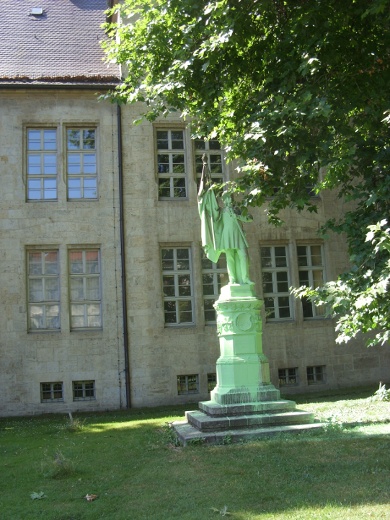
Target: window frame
[[176, 297], [217, 178], [85, 302], [275, 295], [82, 176], [186, 379], [219, 276], [317, 312], [84, 390], [170, 175], [290, 375], [45, 303], [317, 376], [41, 152], [52, 391]]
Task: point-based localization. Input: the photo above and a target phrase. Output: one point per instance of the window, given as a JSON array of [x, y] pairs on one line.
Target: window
[[214, 276], [311, 273], [276, 282], [83, 390], [51, 392], [177, 286], [188, 384], [212, 150], [41, 164], [81, 162], [211, 381], [171, 167], [43, 290], [288, 376], [315, 375], [85, 293]]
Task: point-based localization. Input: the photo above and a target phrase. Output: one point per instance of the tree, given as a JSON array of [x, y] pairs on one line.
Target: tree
[[297, 90]]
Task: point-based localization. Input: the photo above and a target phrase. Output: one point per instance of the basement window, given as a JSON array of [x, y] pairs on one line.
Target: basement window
[[211, 381], [288, 376], [51, 392], [188, 384], [83, 390], [315, 375]]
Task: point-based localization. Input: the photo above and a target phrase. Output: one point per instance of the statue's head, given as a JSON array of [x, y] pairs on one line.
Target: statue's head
[[227, 198]]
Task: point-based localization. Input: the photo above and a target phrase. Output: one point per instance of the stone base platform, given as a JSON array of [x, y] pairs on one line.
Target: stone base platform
[[220, 424], [187, 434]]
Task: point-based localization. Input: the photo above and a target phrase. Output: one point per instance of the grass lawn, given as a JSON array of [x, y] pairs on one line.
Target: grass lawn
[[129, 460]]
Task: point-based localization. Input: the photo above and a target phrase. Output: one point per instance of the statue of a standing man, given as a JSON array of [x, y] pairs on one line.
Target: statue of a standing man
[[222, 231]]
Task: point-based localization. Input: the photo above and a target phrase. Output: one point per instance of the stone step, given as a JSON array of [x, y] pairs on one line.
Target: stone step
[[205, 423], [214, 409], [187, 434]]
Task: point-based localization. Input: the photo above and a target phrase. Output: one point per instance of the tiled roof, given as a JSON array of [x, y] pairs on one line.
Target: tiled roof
[[62, 45]]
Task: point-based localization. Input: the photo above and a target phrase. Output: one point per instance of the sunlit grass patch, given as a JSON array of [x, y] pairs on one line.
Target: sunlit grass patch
[[133, 464]]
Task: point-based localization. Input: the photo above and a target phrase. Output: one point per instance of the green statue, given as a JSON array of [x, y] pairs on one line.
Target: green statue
[[222, 232]]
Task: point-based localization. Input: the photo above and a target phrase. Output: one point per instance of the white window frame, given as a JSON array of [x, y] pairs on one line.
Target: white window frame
[[275, 295], [46, 309], [87, 180], [44, 180], [169, 180], [310, 268], [219, 277], [88, 318], [176, 302]]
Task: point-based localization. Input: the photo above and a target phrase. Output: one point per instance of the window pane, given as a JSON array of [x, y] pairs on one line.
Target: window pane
[[52, 290], [76, 261], [74, 164], [162, 140], [49, 139], [93, 289], [36, 290], [33, 140], [50, 164], [89, 139], [73, 139], [302, 256], [179, 188], [169, 285], [92, 262], [76, 289], [167, 259], [90, 164], [316, 256], [266, 260], [35, 263], [280, 257]]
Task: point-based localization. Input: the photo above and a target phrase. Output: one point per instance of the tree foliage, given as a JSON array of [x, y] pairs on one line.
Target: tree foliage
[[298, 91]]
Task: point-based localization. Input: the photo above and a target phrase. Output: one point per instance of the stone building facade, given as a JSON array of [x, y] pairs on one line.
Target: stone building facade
[[106, 296]]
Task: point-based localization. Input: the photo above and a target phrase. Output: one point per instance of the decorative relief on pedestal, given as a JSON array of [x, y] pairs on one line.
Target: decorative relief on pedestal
[[244, 322], [238, 317]]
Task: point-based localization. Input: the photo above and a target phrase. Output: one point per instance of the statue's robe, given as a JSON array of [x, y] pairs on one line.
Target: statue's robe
[[210, 224]]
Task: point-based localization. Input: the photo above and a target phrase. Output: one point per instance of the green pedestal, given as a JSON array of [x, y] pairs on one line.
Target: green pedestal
[[242, 369], [244, 404]]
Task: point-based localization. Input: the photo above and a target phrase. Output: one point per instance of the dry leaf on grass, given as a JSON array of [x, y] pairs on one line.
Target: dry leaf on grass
[[90, 498]]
